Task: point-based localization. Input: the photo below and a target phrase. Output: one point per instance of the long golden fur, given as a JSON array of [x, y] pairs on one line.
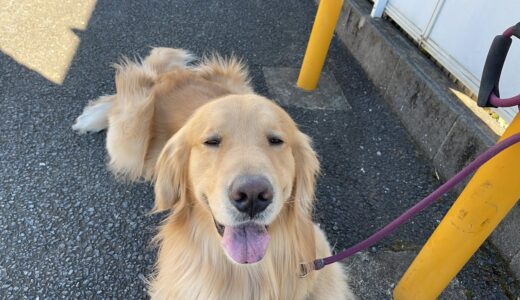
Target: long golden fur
[[158, 121]]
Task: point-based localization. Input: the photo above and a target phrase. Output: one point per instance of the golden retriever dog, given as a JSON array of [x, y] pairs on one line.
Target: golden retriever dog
[[232, 168]]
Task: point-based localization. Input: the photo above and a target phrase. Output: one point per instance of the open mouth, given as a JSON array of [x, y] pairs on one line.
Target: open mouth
[[245, 243]]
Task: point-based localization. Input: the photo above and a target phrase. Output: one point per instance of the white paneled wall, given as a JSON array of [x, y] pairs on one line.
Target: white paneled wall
[[458, 34]]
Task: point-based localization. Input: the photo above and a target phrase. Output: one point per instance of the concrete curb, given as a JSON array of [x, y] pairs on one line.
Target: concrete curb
[[419, 94]]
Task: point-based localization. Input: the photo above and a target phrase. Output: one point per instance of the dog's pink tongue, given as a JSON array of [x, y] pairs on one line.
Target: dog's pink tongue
[[246, 243]]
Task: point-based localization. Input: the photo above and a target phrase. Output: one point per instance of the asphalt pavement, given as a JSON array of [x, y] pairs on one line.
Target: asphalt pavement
[[68, 229]]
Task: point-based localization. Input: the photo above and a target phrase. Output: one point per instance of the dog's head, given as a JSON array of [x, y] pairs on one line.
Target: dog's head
[[244, 159]]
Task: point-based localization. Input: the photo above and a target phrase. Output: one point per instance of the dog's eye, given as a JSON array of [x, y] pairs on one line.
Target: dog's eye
[[274, 141], [212, 141]]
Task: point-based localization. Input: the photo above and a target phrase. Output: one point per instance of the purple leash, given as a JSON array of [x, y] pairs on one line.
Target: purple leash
[[487, 95], [505, 102], [306, 268]]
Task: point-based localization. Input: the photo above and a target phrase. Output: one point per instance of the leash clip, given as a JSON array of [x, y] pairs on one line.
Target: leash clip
[[305, 268]]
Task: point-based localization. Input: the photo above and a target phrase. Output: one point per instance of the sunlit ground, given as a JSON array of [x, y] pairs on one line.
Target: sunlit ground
[[492, 120], [38, 33]]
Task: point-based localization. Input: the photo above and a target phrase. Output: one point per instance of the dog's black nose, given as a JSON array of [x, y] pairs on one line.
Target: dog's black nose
[[251, 194]]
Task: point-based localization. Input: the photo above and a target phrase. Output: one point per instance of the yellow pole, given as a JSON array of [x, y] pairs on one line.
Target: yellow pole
[[488, 197], [319, 42]]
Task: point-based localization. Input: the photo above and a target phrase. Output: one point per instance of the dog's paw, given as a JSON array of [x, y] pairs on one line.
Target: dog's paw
[[93, 119]]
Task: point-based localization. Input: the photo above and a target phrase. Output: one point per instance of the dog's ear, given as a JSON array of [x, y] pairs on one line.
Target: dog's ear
[[171, 173], [307, 168]]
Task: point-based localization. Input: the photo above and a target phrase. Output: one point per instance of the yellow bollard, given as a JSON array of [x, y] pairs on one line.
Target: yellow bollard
[[485, 201], [319, 42]]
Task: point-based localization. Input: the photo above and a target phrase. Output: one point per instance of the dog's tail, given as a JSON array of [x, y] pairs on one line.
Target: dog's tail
[[130, 118], [135, 80], [229, 72]]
